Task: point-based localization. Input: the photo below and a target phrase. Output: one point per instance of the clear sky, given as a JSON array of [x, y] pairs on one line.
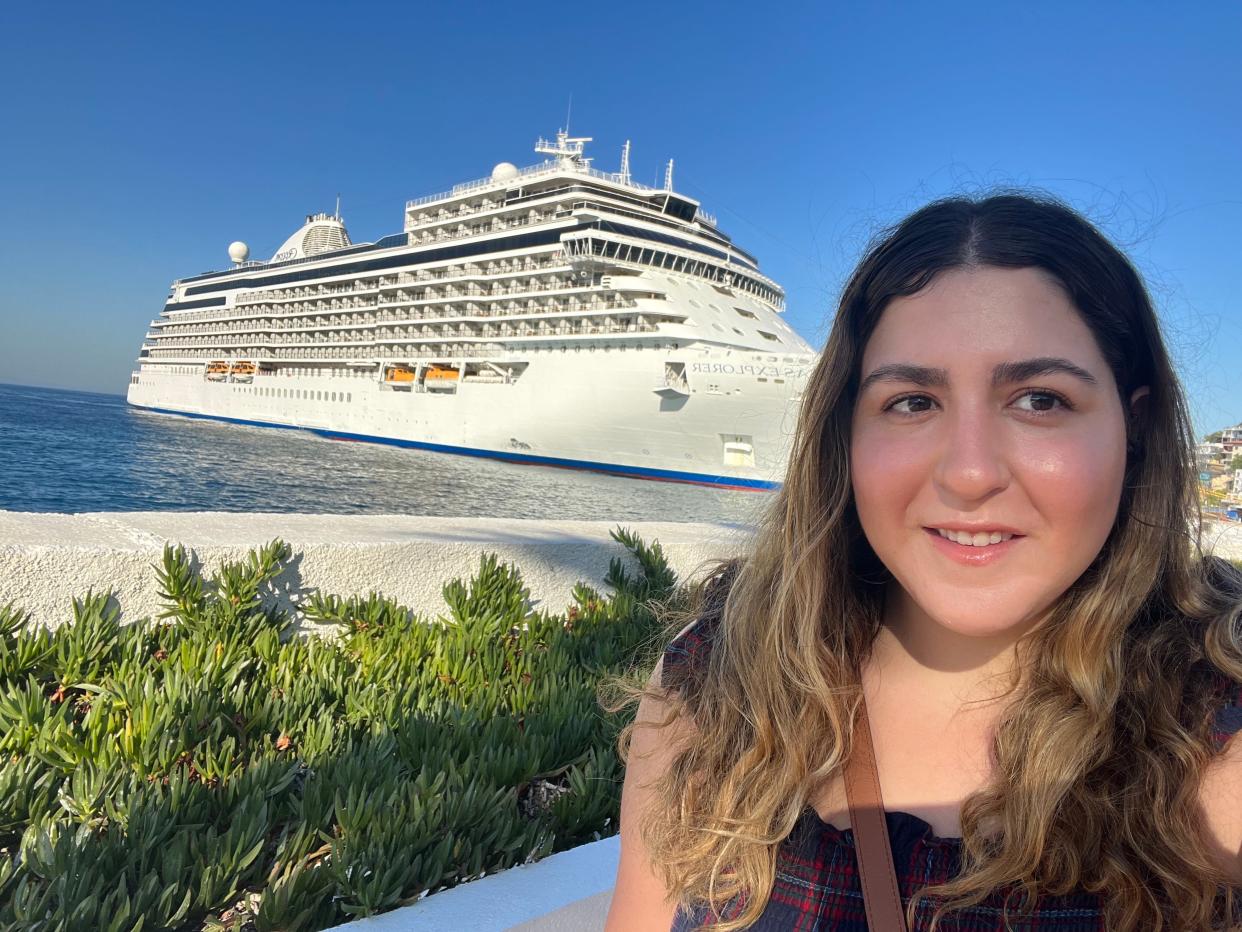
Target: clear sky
[[137, 141]]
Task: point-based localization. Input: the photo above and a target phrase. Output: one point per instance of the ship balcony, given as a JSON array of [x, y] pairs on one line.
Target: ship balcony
[[556, 259], [282, 331], [431, 296], [411, 346], [446, 308], [440, 235], [446, 220]]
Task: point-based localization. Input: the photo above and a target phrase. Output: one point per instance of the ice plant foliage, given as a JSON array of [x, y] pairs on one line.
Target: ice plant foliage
[[213, 769]]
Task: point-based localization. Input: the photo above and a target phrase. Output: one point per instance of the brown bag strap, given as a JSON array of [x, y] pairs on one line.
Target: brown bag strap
[[881, 895]]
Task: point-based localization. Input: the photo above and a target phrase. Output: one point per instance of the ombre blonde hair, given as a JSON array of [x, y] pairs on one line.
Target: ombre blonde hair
[[1099, 762]]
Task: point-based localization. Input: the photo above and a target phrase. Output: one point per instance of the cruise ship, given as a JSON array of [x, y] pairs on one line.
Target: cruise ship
[[556, 314]]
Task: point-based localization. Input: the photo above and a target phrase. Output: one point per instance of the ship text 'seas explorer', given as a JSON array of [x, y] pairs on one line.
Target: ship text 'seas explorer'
[[554, 314]]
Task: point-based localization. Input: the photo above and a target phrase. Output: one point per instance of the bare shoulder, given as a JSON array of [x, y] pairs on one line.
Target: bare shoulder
[[640, 901], [1220, 798]]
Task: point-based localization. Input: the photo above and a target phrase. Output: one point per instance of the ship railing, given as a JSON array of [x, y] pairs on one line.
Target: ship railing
[[580, 247], [384, 345], [496, 226], [285, 263], [363, 286], [455, 297], [282, 330], [547, 167]]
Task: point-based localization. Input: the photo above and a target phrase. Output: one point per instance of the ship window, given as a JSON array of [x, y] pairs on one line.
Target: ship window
[[769, 336], [746, 313]]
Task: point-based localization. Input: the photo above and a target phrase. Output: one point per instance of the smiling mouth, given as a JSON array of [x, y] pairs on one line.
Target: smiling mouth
[[973, 539]]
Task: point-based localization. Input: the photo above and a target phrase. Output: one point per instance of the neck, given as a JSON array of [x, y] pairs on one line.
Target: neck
[[923, 654]]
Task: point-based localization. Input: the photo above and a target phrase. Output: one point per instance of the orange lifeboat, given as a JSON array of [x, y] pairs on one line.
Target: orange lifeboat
[[399, 375], [441, 378], [243, 370]]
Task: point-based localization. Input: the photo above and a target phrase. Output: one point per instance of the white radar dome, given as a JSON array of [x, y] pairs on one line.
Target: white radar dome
[[239, 252], [505, 171]]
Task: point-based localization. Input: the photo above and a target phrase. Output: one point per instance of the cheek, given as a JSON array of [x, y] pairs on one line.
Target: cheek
[[886, 473], [1074, 482]]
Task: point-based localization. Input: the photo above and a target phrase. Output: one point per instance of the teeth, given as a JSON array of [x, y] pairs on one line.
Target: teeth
[[980, 539]]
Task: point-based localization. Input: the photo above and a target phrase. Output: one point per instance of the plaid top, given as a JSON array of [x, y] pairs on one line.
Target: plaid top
[[817, 887]]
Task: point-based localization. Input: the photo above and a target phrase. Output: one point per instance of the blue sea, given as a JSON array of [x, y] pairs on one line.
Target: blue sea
[[68, 451]]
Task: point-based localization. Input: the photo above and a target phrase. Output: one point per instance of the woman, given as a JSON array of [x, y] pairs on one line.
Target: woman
[[988, 537]]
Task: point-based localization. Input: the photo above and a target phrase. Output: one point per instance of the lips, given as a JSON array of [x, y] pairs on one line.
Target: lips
[[973, 547], [975, 539]]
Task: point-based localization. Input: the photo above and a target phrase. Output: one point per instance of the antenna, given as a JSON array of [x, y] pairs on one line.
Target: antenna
[[568, 110], [338, 206], [625, 162], [668, 176]]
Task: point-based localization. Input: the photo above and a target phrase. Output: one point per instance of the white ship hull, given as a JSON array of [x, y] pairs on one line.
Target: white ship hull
[[587, 410]]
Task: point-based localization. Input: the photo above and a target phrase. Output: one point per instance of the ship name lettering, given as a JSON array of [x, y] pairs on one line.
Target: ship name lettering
[[759, 371]]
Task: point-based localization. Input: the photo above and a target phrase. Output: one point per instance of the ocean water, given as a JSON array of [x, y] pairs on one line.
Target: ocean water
[[66, 451]]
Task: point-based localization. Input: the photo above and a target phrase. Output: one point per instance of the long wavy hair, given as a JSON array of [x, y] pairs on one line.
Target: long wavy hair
[[1099, 761]]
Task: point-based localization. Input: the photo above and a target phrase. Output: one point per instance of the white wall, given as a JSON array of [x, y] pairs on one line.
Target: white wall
[[566, 892]]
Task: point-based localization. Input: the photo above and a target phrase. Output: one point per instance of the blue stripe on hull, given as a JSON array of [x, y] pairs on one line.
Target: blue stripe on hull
[[639, 472]]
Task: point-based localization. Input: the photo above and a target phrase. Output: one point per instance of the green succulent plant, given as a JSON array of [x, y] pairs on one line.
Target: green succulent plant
[[212, 768]]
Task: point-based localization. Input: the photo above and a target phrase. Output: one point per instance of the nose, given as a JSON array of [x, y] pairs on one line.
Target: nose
[[972, 465]]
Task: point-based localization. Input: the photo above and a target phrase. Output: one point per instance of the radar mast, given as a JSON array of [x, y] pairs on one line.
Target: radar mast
[[567, 149]]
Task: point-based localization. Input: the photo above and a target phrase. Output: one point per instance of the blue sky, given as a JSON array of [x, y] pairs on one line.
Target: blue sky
[[139, 140]]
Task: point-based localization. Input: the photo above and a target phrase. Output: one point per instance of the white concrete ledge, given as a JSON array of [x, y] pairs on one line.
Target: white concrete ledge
[[48, 559], [1223, 539], [566, 892]]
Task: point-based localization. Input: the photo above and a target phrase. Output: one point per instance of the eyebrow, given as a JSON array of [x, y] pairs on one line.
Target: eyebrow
[[1004, 373]]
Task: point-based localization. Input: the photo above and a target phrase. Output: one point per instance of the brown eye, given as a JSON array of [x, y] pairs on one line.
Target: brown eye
[[910, 404], [1042, 402]]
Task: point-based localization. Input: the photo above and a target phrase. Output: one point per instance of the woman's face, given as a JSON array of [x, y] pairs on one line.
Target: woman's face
[[988, 448]]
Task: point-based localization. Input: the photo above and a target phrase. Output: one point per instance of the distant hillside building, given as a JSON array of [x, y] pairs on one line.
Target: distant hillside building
[[1207, 454]]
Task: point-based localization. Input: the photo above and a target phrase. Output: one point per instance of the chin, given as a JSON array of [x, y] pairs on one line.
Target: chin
[[979, 614], [980, 626]]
